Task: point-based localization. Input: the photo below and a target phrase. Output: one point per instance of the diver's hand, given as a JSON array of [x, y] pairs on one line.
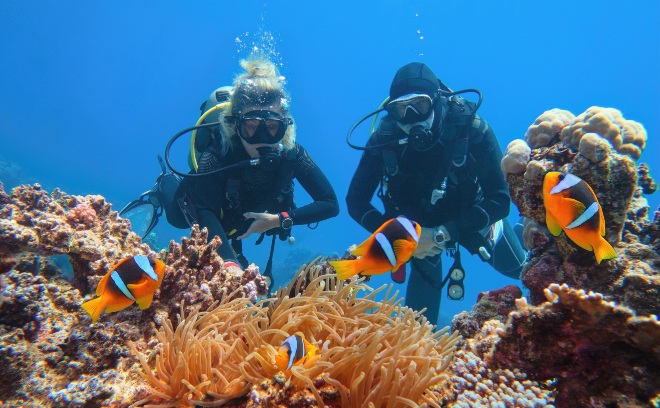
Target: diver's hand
[[426, 245], [262, 223]]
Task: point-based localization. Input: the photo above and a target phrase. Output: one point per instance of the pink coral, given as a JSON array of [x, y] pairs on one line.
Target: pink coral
[[81, 214]]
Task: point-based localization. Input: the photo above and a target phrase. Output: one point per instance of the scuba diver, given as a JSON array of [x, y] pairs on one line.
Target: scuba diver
[[243, 182], [433, 160]]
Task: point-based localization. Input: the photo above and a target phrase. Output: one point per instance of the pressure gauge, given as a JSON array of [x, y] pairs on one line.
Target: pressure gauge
[[455, 292]]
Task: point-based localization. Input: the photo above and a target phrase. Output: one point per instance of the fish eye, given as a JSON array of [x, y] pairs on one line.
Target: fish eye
[[288, 353]]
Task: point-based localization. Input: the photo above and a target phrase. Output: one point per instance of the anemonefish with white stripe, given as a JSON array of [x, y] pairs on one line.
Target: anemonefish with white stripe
[[389, 247], [571, 206], [294, 351], [133, 279]]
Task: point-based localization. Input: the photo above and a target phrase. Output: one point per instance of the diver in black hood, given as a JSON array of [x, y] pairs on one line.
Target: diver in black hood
[[435, 161]]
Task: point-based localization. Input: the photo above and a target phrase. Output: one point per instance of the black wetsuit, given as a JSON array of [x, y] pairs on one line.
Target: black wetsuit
[[221, 200], [476, 196]]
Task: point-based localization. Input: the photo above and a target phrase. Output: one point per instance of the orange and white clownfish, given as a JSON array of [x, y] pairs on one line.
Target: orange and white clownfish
[[294, 351], [389, 247], [133, 279], [571, 205]]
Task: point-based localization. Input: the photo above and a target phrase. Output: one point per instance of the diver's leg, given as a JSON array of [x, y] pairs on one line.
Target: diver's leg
[[508, 254], [208, 219], [424, 287]]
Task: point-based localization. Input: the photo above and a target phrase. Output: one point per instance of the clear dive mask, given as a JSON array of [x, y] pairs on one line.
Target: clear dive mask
[[410, 108]]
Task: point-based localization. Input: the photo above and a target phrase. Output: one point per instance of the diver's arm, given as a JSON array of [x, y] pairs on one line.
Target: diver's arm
[[361, 191], [496, 200], [208, 193], [312, 179]]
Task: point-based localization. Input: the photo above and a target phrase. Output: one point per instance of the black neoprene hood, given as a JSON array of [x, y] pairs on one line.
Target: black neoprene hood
[[415, 77]]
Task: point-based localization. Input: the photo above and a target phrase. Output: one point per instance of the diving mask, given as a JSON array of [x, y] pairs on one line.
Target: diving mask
[[261, 126], [410, 108]]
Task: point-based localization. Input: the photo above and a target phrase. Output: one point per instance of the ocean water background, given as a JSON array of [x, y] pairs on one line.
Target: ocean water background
[[92, 91]]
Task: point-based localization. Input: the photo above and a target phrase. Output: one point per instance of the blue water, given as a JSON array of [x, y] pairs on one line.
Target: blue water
[[92, 91]]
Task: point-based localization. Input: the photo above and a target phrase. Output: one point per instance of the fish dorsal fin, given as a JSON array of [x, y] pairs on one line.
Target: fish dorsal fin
[[361, 249], [553, 225], [601, 219], [102, 284]]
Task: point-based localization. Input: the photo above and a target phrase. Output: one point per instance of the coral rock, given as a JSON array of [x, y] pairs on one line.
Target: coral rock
[[599, 353]]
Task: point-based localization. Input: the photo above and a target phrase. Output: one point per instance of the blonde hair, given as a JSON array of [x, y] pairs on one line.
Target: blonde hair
[[259, 85]]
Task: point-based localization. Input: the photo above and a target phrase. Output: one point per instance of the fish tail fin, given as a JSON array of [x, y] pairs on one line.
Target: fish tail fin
[[94, 307], [346, 268], [603, 250]]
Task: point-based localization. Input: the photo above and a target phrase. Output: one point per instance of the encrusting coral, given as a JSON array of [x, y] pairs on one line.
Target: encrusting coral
[[370, 352], [599, 353], [474, 384], [84, 228]]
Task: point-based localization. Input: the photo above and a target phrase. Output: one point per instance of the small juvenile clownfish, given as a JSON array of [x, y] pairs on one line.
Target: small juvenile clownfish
[[571, 206], [389, 247], [133, 279], [295, 351]]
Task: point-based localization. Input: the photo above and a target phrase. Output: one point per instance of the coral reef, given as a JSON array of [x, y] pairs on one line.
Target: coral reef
[[598, 146], [197, 276], [473, 384], [599, 353], [492, 304], [85, 228], [370, 352], [50, 353], [575, 348]]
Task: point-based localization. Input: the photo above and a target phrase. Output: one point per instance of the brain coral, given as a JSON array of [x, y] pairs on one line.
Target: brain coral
[[547, 127], [370, 352], [515, 158], [626, 136]]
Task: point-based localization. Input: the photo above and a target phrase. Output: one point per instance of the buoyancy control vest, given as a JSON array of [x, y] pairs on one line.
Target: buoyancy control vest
[[256, 190], [452, 171], [439, 180]]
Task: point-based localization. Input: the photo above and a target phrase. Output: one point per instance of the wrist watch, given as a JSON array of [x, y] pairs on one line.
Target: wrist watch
[[285, 220], [439, 236]]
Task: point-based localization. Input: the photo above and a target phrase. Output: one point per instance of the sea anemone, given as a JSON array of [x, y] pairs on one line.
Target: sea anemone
[[370, 351]]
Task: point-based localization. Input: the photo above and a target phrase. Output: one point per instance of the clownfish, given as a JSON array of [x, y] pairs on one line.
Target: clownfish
[[294, 351], [133, 279], [389, 247], [571, 206]]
